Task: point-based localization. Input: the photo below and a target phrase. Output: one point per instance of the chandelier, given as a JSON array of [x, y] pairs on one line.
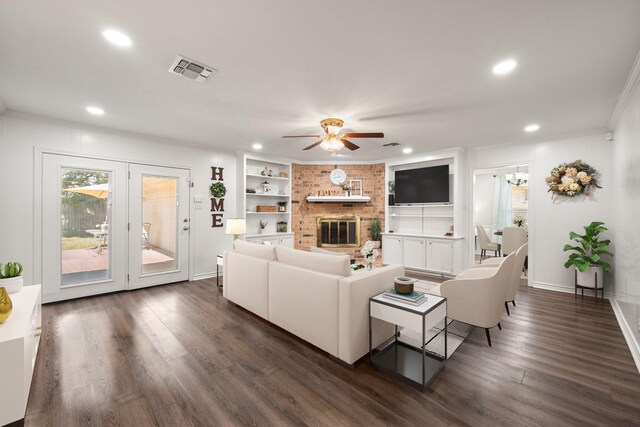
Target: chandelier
[[517, 179]]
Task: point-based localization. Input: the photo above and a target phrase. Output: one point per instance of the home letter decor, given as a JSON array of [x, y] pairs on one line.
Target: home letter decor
[[218, 190]]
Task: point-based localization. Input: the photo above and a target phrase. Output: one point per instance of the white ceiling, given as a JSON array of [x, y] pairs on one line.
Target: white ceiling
[[420, 71]]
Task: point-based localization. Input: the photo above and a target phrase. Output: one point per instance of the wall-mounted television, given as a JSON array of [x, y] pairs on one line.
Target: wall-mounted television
[[424, 185]]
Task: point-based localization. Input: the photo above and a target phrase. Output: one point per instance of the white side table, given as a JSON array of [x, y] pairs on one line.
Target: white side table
[[412, 365]]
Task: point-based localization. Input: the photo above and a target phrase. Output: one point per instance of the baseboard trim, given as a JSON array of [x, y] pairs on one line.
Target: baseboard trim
[[634, 345], [564, 289], [202, 276]]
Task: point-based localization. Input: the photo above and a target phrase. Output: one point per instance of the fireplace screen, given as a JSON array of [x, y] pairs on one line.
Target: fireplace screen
[[338, 231]]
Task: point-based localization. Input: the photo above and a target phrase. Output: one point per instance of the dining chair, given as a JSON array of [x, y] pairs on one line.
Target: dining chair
[[485, 243], [512, 239]]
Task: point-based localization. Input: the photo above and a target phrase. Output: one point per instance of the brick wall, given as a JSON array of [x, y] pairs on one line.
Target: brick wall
[[314, 179]]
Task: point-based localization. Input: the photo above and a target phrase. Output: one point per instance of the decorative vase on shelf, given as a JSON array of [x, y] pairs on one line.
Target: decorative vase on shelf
[[369, 264], [6, 306]]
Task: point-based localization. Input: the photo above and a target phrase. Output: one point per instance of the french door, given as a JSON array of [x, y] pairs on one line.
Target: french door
[[109, 226], [159, 225]]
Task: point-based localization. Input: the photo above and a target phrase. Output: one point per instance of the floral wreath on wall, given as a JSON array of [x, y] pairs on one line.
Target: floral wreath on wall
[[572, 179]]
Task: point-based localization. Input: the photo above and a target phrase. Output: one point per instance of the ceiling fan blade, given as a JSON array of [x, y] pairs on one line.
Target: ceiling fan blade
[[364, 135], [350, 145], [315, 144], [302, 136]]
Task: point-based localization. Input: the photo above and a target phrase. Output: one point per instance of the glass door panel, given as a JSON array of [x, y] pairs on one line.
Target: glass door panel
[[84, 221], [159, 227], [84, 226], [159, 219]]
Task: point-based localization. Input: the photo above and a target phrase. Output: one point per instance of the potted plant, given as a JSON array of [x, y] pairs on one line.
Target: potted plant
[[374, 231], [519, 221], [282, 206], [11, 276], [586, 256], [262, 225], [217, 190]]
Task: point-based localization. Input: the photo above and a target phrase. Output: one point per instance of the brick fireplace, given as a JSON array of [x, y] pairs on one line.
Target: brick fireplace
[[314, 179]]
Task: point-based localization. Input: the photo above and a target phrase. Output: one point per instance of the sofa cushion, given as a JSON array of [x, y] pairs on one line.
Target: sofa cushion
[[256, 250], [318, 250], [322, 263]]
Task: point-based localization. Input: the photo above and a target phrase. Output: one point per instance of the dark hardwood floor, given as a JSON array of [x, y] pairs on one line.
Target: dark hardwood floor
[[179, 355]]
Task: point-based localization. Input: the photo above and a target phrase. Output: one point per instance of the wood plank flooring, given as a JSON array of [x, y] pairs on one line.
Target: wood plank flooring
[[180, 355]]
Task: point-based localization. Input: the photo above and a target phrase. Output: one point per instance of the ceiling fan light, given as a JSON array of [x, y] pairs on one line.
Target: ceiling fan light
[[331, 143], [333, 129]]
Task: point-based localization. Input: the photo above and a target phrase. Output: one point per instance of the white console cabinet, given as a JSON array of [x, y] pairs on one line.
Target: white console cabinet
[[284, 239], [423, 253], [19, 342]]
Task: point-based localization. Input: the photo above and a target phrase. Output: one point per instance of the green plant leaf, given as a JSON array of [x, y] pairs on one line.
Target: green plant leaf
[[582, 267], [574, 236], [605, 266], [573, 248], [594, 258]]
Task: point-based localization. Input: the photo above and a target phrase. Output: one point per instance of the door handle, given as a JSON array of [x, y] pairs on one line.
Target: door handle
[[185, 228]]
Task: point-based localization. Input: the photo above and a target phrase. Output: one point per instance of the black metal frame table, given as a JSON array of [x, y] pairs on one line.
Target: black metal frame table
[[219, 262], [412, 365]]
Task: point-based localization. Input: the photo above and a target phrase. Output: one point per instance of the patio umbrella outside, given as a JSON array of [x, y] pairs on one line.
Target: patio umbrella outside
[[101, 191]]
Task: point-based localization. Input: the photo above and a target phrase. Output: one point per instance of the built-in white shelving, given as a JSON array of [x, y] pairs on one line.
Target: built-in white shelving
[[250, 170]]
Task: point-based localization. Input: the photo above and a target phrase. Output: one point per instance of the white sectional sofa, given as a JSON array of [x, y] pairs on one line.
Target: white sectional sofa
[[314, 296]]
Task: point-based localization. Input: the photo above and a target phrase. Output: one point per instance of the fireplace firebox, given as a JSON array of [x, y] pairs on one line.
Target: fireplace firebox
[[338, 231]]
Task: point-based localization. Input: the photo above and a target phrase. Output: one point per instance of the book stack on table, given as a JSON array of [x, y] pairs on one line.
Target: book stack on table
[[414, 298]]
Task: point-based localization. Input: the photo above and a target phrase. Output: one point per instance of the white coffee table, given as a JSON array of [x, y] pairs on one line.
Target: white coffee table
[[413, 365]]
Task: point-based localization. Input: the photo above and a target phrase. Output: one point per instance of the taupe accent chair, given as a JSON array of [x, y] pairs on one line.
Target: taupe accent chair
[[476, 296], [514, 281]]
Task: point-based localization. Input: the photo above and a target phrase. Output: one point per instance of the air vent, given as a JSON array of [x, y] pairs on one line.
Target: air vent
[[190, 69], [391, 144]]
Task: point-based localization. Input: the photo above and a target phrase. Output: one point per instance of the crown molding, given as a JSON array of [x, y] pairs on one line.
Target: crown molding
[[626, 94]]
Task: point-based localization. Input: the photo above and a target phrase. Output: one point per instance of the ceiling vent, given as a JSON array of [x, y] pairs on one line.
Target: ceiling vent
[[190, 69], [391, 144]]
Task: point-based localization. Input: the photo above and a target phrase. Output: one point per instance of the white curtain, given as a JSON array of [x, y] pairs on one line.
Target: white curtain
[[501, 204]]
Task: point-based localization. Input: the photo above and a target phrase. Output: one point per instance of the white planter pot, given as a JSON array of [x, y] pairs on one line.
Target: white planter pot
[[12, 284], [376, 244], [588, 278]]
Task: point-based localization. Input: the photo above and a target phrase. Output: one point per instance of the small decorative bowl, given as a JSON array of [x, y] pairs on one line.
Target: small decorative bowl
[[403, 285]]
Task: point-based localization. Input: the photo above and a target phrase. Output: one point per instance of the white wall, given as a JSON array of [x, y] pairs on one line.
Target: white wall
[[550, 221], [627, 233], [19, 137], [483, 191]]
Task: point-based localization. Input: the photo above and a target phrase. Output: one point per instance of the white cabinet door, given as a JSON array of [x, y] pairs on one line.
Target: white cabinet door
[[286, 241], [271, 240], [391, 250], [413, 252], [439, 254]]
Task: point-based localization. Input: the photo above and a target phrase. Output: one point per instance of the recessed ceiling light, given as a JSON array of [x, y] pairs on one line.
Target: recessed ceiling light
[[96, 111], [504, 67], [117, 38], [257, 146], [407, 150], [532, 128]]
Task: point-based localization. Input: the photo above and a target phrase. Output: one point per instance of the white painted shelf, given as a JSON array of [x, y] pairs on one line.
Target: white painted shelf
[[267, 213], [254, 235], [338, 199], [267, 195], [276, 178]]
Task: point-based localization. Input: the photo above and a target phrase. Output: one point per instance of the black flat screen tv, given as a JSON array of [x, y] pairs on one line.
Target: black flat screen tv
[[424, 185]]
